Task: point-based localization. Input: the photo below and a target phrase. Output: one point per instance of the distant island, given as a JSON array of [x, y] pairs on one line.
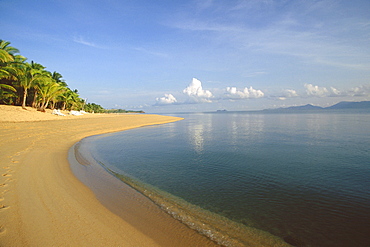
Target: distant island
[[344, 105]]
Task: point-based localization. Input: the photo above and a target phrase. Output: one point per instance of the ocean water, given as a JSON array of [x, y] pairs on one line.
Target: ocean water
[[304, 178]]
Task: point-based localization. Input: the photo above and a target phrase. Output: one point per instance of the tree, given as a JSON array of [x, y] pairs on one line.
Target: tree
[[6, 93], [7, 52], [49, 90], [20, 80], [7, 55], [28, 75], [8, 63]]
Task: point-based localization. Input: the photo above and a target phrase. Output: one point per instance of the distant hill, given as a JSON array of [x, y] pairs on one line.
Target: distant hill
[[344, 105], [351, 105], [304, 107]]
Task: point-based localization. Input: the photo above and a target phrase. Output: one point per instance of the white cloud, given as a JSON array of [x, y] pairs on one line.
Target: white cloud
[[246, 93], [297, 31], [335, 92], [317, 91], [166, 100], [197, 93], [290, 93], [312, 90], [360, 91], [82, 41]]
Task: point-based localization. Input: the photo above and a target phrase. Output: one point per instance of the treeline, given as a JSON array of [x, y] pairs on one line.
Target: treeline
[[122, 111], [30, 84]]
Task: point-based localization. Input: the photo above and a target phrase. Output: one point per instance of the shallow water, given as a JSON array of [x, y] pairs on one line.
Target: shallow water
[[301, 177]]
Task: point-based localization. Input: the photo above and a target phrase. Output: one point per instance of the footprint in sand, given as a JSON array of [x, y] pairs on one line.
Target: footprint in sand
[[4, 192], [2, 230], [7, 175], [15, 161], [3, 207], [3, 185], [6, 167]]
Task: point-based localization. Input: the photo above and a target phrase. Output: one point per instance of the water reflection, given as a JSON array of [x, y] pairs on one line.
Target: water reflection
[[298, 176], [197, 130]]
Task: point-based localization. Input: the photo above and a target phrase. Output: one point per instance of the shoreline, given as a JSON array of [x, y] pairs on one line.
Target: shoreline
[[42, 203], [130, 204], [111, 188]]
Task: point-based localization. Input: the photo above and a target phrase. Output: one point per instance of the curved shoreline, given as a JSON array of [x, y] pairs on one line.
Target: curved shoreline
[[110, 187], [130, 204], [42, 202]]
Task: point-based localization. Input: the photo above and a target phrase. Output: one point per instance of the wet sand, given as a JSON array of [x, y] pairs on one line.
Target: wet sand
[[42, 203]]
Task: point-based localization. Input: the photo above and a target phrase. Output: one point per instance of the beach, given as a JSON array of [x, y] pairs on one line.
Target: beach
[[42, 203]]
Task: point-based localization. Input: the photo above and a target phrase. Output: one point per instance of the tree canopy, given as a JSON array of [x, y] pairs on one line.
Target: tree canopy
[[30, 84]]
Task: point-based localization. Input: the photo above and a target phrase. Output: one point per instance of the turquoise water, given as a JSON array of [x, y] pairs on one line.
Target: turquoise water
[[302, 177]]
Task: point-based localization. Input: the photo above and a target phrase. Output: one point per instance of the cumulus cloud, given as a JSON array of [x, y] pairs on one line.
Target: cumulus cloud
[[290, 93], [334, 92], [360, 91], [197, 93], [246, 93], [317, 91], [287, 93], [166, 100], [312, 90]]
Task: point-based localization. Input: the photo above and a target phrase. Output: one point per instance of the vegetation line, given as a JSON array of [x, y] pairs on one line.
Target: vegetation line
[[30, 84]]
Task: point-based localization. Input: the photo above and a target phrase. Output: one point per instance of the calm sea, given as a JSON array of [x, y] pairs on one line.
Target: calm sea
[[302, 177]]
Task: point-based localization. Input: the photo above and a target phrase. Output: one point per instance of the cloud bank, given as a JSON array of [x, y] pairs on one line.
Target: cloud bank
[[317, 91], [195, 94], [246, 93]]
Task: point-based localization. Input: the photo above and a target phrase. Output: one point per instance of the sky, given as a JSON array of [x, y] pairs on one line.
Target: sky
[[164, 56]]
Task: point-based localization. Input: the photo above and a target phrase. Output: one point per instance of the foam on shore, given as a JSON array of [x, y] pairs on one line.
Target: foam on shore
[[216, 227]]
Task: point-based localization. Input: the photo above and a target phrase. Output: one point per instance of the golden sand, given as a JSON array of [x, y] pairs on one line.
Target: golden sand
[[43, 204]]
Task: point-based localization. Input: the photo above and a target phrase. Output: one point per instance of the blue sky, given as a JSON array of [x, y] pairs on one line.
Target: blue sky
[[169, 56]]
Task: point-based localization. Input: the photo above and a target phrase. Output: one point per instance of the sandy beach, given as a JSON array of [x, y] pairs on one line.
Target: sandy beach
[[42, 203]]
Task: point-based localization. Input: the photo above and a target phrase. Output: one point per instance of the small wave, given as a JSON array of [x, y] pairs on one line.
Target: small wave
[[216, 227]]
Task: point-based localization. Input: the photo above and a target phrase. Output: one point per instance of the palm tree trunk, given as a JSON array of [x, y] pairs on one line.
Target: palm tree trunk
[[46, 105], [24, 98], [34, 100], [42, 105]]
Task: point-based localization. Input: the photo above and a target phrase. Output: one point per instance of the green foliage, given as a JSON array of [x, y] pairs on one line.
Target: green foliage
[[94, 108], [30, 84], [122, 111]]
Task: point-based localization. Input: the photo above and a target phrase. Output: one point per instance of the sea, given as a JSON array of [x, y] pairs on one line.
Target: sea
[[302, 177]]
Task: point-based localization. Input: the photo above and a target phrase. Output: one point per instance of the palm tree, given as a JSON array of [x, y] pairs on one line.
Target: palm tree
[[6, 57], [5, 95], [49, 90], [58, 79], [7, 52], [8, 62], [28, 75]]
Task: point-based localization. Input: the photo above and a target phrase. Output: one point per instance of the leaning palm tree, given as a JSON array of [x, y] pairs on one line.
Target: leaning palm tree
[[49, 90], [70, 99], [28, 74]]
